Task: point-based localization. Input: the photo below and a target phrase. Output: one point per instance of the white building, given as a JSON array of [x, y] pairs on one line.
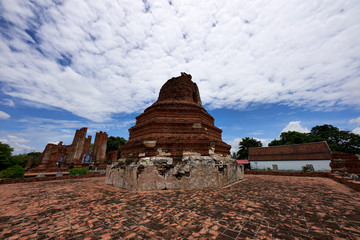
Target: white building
[[291, 157]]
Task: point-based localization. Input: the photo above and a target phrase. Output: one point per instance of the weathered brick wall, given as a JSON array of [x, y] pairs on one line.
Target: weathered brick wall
[[99, 149], [283, 173], [307, 151], [345, 162], [49, 178], [47, 161], [344, 180]]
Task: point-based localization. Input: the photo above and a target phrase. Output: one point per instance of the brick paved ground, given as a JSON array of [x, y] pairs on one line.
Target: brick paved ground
[[258, 207]]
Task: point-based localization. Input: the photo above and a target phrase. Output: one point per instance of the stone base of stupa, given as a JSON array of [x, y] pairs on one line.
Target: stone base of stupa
[[160, 173]]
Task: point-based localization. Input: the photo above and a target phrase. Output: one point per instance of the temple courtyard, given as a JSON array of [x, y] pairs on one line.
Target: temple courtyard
[[260, 207]]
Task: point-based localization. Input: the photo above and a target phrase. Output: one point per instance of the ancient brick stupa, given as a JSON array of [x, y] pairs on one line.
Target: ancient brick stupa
[[174, 145]]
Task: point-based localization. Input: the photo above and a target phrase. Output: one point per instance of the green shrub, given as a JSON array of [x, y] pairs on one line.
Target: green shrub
[[71, 166], [13, 172], [80, 171], [305, 169]]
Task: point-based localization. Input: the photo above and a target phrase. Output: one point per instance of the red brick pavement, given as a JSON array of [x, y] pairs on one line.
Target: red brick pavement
[[258, 207]]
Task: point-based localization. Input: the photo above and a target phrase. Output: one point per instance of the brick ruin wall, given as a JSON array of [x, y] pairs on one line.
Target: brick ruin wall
[[71, 154], [345, 162], [161, 173], [99, 148]]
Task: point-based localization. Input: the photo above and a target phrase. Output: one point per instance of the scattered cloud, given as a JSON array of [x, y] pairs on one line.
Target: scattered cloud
[[356, 130], [235, 143], [355, 121], [264, 141], [4, 115], [7, 102], [38, 132], [100, 58], [18, 144], [296, 127], [258, 132]]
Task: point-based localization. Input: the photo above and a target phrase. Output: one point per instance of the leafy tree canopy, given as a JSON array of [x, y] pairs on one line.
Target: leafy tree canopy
[[113, 143], [338, 140], [5, 156], [7, 160], [244, 145], [292, 137], [15, 171]]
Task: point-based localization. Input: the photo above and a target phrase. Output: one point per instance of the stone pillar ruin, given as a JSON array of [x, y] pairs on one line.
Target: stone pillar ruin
[[175, 145], [99, 148], [71, 154], [78, 145]]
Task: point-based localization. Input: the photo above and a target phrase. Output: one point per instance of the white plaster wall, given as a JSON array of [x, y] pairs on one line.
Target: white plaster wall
[[319, 165]]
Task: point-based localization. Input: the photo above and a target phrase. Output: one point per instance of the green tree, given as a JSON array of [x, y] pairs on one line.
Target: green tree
[[15, 171], [244, 145], [6, 159], [22, 159], [292, 137], [114, 143], [338, 140]]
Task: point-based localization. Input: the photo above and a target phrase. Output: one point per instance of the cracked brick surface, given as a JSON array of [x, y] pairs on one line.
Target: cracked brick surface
[[261, 207]]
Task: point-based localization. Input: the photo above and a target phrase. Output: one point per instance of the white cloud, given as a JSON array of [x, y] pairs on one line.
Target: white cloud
[[99, 58], [355, 121], [18, 144], [7, 102], [356, 130], [4, 115], [38, 132], [296, 127], [235, 143]]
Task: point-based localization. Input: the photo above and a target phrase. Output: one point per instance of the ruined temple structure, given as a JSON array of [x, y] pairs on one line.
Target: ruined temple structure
[[99, 149], [71, 154], [345, 162], [175, 145]]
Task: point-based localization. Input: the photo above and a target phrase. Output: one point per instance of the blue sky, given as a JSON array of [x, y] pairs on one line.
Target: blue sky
[[262, 67]]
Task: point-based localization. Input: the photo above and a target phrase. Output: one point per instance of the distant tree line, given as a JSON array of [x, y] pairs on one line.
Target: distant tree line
[[13, 166], [338, 140], [114, 143], [244, 145], [8, 160], [18, 162]]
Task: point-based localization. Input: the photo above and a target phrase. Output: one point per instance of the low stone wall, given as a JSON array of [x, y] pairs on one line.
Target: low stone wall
[[344, 180], [158, 173], [284, 173], [345, 162], [41, 179], [347, 181]]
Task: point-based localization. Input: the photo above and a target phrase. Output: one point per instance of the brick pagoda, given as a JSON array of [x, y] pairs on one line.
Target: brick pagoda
[[175, 145], [176, 124]]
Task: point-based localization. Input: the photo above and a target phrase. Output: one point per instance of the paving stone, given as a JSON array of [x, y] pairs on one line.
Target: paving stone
[[259, 207]]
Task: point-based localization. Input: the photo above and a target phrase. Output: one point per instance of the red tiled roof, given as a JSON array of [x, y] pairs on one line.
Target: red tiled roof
[[244, 161], [306, 151]]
